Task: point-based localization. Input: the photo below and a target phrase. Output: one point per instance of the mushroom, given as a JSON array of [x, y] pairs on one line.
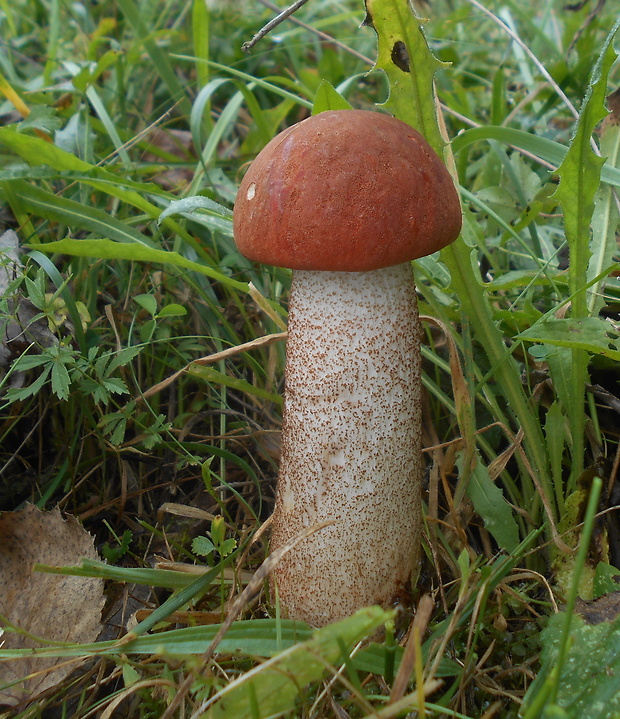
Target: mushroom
[[347, 199]]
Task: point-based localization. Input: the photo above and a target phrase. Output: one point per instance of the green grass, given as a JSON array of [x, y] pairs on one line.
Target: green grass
[[151, 105]]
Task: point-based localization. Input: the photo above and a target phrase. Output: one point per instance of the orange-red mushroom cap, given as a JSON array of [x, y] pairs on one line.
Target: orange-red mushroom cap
[[346, 190]]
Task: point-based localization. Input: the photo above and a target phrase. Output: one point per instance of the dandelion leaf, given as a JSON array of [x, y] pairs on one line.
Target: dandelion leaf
[[605, 217], [490, 503], [404, 56], [580, 170], [593, 334]]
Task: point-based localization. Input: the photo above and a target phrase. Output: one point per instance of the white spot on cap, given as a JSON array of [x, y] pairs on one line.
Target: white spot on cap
[[251, 191]]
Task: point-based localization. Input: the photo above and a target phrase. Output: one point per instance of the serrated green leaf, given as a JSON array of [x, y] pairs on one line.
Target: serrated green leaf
[[118, 435], [328, 98], [18, 395], [202, 546], [489, 502], [589, 333], [115, 385], [270, 689], [25, 362], [560, 363], [101, 394], [403, 54], [35, 294], [227, 546], [60, 380], [579, 175], [119, 359], [603, 245]]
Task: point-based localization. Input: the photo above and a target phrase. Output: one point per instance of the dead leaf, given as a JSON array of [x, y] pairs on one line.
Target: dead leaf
[[603, 609], [613, 119], [54, 607], [177, 143]]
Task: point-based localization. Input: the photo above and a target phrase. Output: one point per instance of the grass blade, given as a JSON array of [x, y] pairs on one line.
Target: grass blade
[[74, 214], [137, 252], [158, 56]]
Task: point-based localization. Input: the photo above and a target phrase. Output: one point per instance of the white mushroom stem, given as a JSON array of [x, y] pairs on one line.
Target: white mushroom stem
[[350, 443]]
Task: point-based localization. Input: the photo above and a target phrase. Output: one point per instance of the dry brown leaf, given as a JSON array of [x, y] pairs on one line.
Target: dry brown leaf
[[174, 142], [603, 609], [54, 607]]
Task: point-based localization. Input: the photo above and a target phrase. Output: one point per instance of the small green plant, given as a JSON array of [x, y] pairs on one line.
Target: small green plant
[[66, 370], [215, 542], [149, 303], [113, 552]]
